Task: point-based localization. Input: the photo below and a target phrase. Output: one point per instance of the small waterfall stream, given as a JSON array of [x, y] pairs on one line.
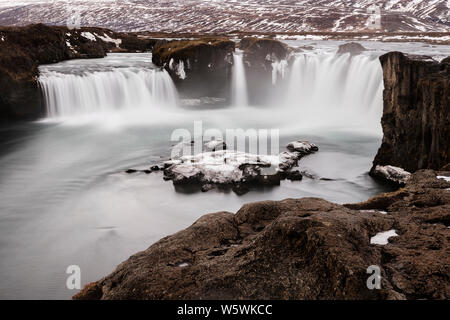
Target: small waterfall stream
[[239, 93]]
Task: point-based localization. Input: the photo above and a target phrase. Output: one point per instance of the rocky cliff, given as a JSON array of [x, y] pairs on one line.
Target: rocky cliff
[[416, 115], [22, 50], [300, 249], [199, 67]]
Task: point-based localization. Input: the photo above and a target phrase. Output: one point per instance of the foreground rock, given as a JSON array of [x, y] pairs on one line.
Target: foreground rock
[[416, 113], [200, 67], [300, 249], [235, 170]]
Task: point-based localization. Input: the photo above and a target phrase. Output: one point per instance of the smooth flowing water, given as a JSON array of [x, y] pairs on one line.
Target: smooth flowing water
[[239, 82], [65, 199]]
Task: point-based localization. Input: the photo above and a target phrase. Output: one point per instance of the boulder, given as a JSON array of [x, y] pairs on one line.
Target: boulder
[[353, 48], [416, 113], [200, 67], [300, 249], [394, 175]]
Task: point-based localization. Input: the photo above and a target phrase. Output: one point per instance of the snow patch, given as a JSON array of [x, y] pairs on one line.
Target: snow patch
[[88, 36], [382, 238], [107, 38], [444, 178]]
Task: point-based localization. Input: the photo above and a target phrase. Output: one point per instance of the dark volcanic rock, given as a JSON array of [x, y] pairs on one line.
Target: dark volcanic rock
[[299, 249], [416, 114], [134, 43], [199, 67], [353, 48]]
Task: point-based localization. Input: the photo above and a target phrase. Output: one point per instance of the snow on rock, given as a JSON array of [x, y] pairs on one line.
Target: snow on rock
[[392, 174], [382, 238], [304, 147], [235, 169], [107, 38], [373, 211], [219, 167], [444, 178], [88, 36], [215, 145]]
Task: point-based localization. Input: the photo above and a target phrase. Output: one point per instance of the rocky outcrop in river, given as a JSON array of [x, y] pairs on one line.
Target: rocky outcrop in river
[[238, 171], [416, 115], [301, 249]]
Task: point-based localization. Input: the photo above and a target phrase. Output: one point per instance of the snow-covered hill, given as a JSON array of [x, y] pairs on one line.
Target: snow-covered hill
[[229, 15]]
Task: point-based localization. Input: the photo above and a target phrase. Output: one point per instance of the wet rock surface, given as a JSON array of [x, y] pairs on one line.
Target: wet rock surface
[[300, 249], [416, 113]]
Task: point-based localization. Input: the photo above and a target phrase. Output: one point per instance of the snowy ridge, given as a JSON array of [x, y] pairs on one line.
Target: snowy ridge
[[229, 15]]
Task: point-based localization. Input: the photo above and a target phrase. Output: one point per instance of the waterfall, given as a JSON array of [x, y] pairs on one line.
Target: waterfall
[[239, 82], [69, 94], [336, 88]]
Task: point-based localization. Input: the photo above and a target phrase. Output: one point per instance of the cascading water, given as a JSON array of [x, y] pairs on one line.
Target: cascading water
[[104, 91], [336, 87], [239, 82]]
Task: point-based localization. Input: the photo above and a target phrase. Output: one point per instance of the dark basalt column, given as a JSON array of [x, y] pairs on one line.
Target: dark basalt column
[[416, 114]]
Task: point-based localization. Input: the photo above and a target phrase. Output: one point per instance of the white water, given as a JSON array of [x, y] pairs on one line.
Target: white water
[[239, 93], [337, 89], [70, 94]]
